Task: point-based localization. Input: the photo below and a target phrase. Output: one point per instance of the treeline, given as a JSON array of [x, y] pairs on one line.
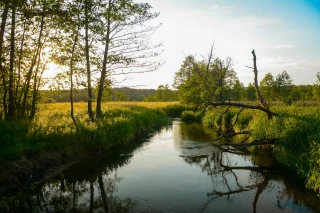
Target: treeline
[[80, 95], [162, 94], [200, 82]]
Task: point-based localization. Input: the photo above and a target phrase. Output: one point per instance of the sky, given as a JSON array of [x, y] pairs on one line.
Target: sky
[[284, 33]]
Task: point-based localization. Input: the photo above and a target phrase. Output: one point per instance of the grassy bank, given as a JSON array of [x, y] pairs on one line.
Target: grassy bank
[[52, 129], [296, 127]]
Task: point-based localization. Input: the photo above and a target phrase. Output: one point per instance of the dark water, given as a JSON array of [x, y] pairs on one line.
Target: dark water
[[175, 170]]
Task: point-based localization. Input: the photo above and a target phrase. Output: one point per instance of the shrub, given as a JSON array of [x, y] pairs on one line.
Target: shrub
[[191, 116]]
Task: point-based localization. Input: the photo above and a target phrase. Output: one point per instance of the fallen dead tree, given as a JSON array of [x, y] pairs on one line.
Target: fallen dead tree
[[262, 105]]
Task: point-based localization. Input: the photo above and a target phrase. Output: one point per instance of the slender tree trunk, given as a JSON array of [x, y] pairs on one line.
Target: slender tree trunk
[[262, 102], [33, 62], [2, 30], [19, 70], [11, 107], [90, 112], [71, 74], [104, 65], [35, 90]]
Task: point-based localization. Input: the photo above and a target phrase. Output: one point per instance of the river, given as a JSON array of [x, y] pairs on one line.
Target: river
[[176, 169]]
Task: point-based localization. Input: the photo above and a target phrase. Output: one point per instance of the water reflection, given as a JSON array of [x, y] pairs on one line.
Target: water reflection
[[88, 187], [176, 170], [233, 174]]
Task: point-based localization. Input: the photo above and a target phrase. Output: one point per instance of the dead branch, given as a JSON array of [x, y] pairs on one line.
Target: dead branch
[[227, 109], [256, 143], [246, 106], [262, 102], [235, 122], [231, 135], [253, 143]]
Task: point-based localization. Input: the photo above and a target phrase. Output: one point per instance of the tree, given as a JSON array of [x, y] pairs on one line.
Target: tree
[[185, 72], [201, 82], [267, 85], [237, 91], [283, 85], [28, 31], [125, 40], [316, 87], [250, 92]]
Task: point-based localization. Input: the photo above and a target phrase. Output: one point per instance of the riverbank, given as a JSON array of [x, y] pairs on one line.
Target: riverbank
[[32, 151], [175, 169], [295, 128]]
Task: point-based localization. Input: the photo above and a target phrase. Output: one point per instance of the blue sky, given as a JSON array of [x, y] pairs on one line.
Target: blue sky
[[284, 33]]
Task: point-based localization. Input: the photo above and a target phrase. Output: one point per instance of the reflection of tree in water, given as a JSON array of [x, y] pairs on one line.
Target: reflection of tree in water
[[223, 171], [81, 192], [192, 132]]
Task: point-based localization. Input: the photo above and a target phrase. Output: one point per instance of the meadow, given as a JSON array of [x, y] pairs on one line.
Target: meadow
[[53, 129]]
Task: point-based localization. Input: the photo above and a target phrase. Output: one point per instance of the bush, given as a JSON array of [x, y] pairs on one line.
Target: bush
[[174, 111], [189, 116]]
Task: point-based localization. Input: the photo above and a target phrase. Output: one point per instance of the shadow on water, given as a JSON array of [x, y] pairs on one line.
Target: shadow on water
[[86, 187], [175, 170]]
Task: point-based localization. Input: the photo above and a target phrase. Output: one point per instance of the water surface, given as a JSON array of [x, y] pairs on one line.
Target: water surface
[[174, 170]]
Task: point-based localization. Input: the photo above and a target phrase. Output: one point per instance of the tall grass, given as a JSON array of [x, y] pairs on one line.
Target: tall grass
[[297, 129], [53, 129]]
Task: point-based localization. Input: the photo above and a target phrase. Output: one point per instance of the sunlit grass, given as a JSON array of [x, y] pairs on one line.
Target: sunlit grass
[[82, 106], [53, 129], [297, 129]]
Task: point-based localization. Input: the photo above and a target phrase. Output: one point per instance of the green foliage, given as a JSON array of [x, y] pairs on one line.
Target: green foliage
[[243, 121], [297, 130], [162, 94], [313, 177], [219, 119], [13, 137], [174, 111], [199, 82], [55, 131], [212, 118], [191, 116]]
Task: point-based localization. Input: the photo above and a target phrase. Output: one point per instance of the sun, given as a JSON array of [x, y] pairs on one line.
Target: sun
[[52, 69]]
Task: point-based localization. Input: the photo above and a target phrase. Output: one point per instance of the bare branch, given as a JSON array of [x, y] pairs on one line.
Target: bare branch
[[231, 135], [242, 105]]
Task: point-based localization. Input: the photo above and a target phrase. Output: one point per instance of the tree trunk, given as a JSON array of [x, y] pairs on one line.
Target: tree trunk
[[33, 62], [11, 107], [19, 69], [90, 112], [104, 66], [35, 90], [262, 102], [71, 79], [2, 30]]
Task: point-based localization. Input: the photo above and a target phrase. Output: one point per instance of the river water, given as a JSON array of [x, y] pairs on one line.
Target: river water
[[176, 169]]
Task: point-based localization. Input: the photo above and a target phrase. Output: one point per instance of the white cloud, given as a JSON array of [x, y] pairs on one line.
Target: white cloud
[[214, 7], [284, 46]]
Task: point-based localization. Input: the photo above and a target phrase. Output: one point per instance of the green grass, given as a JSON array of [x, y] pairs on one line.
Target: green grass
[[296, 127], [53, 129]]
